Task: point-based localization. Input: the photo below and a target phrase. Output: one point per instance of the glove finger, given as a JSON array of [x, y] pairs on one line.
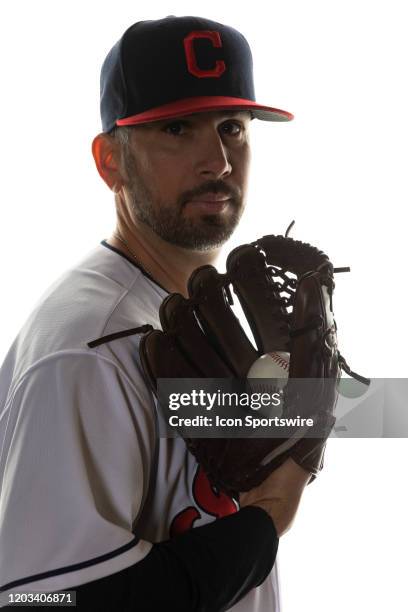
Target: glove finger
[[152, 347], [262, 304], [177, 317], [313, 336], [292, 255], [207, 289]]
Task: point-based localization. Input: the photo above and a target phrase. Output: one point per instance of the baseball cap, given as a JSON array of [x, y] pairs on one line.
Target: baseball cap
[[176, 66]]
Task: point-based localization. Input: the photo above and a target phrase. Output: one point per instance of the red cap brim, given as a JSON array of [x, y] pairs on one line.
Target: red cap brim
[[203, 104]]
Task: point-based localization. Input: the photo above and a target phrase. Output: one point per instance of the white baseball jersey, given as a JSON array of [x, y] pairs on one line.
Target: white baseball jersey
[[86, 484]]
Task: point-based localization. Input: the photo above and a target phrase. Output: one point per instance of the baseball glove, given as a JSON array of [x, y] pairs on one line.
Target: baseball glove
[[285, 289]]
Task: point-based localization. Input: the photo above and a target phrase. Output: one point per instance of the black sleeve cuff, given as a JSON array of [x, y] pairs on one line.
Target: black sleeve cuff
[[206, 569]]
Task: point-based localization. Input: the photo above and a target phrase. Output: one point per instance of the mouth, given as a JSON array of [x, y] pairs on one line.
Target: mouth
[[212, 202]]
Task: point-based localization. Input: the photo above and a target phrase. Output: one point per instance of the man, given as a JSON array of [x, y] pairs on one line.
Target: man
[[92, 500]]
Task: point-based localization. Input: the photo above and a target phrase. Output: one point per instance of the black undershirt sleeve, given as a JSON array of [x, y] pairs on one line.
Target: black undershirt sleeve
[[206, 569]]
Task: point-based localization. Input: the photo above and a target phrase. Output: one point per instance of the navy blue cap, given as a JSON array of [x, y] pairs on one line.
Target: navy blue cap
[[178, 66]]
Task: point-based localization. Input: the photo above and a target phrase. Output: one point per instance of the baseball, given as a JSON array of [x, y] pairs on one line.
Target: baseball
[[271, 365], [273, 370]]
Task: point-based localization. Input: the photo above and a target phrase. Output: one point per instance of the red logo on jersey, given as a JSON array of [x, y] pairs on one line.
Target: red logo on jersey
[[184, 521], [210, 500], [192, 65]]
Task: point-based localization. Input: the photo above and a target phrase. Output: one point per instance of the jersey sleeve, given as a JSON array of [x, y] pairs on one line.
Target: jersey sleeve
[[206, 569], [77, 455]]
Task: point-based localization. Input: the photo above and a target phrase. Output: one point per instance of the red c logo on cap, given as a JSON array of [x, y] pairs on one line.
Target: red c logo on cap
[[192, 66]]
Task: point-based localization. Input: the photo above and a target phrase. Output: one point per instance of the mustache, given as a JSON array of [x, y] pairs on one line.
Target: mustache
[[211, 187]]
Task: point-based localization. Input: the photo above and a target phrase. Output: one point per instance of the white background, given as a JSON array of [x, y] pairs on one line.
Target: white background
[[339, 169]]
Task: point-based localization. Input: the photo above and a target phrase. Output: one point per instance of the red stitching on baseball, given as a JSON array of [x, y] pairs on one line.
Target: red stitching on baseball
[[280, 361]]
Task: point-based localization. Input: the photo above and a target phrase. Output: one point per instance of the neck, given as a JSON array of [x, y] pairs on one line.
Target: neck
[[170, 265]]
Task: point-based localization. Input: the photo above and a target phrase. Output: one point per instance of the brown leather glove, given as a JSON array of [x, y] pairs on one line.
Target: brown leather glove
[[285, 289]]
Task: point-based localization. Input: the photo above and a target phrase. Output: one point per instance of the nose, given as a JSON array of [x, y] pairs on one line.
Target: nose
[[213, 157]]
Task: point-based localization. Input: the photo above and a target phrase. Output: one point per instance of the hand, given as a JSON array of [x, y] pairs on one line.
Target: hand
[[279, 494]]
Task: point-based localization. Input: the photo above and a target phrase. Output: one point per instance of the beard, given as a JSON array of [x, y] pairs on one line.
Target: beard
[[203, 233]]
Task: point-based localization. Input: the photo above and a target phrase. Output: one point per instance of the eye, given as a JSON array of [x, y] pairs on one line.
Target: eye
[[175, 128], [232, 128]]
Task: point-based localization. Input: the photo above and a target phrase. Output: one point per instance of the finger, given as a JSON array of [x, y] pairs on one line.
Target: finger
[[207, 289], [263, 305], [178, 319]]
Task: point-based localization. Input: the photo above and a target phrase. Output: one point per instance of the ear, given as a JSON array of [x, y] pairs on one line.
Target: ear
[[105, 151]]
